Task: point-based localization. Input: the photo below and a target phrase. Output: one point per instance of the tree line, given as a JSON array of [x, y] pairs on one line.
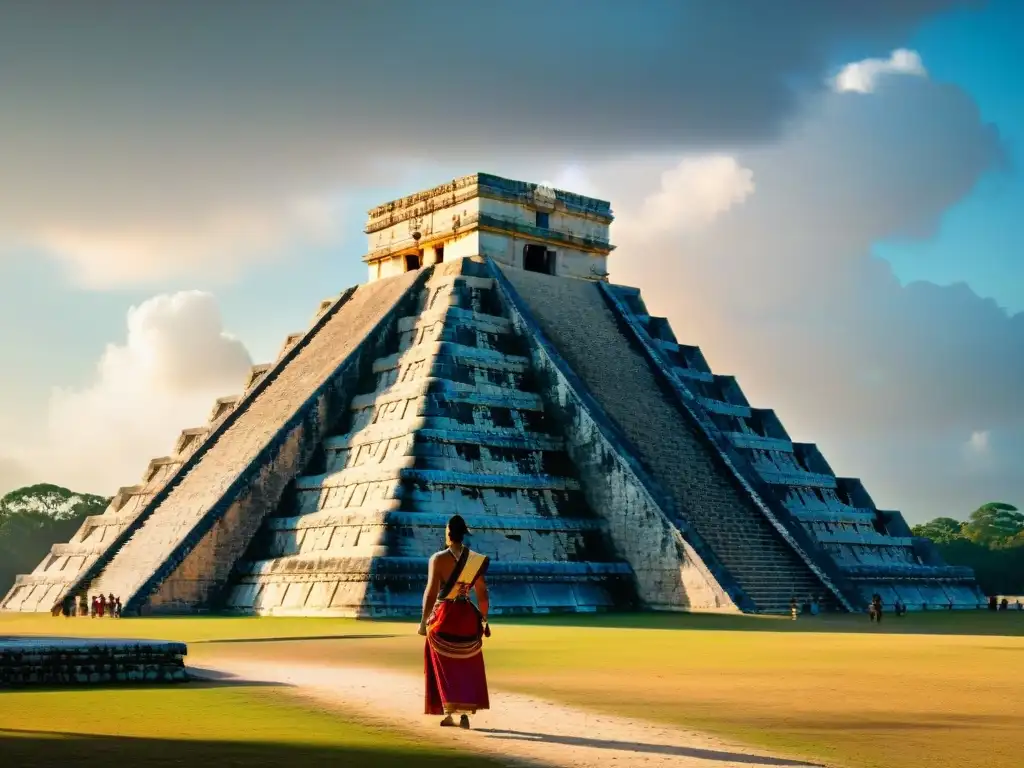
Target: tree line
[[32, 519], [990, 540]]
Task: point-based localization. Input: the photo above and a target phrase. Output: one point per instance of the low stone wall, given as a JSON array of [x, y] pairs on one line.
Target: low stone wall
[[42, 661]]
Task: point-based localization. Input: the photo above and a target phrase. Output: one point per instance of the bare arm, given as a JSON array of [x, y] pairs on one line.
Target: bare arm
[[482, 601], [429, 594]]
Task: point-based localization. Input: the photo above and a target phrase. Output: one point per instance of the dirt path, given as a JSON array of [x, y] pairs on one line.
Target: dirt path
[[520, 729]]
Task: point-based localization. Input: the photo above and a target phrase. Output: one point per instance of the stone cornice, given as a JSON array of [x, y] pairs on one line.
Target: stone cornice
[[489, 223], [481, 185]]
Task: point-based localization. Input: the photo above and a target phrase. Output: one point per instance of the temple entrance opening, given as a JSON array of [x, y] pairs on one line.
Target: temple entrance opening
[[536, 258], [412, 261]]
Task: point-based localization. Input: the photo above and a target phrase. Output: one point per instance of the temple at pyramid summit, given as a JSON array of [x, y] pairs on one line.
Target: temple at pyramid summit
[[489, 367]]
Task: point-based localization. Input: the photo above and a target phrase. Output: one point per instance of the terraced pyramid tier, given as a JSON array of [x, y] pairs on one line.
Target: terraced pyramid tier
[[750, 556], [866, 550], [449, 421]]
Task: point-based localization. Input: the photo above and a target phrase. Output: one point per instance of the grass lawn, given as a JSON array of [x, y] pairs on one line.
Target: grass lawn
[[196, 725], [942, 690]]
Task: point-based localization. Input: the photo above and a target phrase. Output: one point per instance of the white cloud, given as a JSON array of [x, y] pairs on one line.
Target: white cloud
[[115, 253], [863, 76], [176, 360], [784, 291], [187, 161], [978, 442], [691, 196]]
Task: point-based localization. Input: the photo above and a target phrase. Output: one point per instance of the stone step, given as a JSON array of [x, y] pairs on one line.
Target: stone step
[[454, 391], [397, 517], [461, 353], [78, 549], [313, 567], [441, 392], [428, 429], [795, 479], [430, 478], [456, 316], [692, 374], [750, 441]]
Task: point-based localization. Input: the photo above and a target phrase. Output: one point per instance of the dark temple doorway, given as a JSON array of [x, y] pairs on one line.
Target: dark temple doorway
[[537, 258]]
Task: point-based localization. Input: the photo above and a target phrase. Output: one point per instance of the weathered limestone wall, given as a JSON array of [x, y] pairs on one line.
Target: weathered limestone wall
[[505, 214], [669, 572], [569, 262], [27, 662], [575, 224]]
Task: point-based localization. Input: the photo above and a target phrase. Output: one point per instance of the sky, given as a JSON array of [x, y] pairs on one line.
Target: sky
[[825, 197]]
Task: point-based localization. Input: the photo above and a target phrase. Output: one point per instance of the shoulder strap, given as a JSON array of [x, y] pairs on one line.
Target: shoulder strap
[[452, 580]]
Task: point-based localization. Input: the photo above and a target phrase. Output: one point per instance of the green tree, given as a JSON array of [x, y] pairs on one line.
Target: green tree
[[34, 518], [994, 524], [941, 530]]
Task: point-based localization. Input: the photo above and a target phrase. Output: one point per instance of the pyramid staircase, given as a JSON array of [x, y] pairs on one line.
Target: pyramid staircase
[[448, 421], [740, 540], [862, 550]]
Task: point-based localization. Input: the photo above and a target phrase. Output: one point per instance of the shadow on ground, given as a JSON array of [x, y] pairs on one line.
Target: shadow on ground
[[45, 748], [711, 755], [199, 678], [290, 639]]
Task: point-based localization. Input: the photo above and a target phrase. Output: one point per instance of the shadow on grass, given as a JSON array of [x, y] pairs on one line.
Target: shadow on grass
[[199, 679], [289, 639], [46, 748], [711, 755]]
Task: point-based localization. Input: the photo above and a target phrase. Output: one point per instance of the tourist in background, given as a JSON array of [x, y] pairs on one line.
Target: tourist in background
[[456, 682]]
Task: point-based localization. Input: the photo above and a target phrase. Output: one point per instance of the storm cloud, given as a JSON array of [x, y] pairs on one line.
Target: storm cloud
[[140, 141]]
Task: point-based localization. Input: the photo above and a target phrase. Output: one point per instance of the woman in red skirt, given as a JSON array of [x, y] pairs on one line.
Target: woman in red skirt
[[453, 656]]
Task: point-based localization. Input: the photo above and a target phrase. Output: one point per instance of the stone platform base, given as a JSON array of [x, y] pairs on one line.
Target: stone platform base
[[63, 661]]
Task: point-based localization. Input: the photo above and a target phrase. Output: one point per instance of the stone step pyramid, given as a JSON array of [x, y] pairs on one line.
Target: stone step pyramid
[[447, 420], [488, 368]]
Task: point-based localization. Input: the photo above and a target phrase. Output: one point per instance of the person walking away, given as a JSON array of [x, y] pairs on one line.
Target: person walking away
[[453, 664], [794, 609], [95, 607], [101, 606], [117, 608], [110, 604]]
